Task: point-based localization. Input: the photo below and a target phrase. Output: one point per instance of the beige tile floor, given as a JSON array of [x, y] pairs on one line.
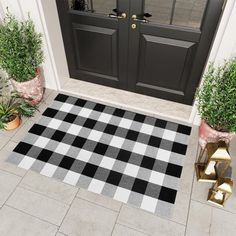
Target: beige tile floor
[[32, 204]]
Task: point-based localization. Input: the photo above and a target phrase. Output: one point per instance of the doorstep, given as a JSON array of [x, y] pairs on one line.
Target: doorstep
[[128, 100]]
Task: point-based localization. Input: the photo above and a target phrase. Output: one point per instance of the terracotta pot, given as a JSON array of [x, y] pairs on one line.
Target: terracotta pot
[[14, 123], [210, 135], [32, 89]]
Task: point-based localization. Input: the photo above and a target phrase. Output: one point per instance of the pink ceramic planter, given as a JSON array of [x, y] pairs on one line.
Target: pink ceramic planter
[[32, 89], [209, 135]]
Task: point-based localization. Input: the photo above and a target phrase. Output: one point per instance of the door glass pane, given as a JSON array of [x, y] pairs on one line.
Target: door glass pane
[[103, 6], [97, 6], [189, 13], [160, 10]]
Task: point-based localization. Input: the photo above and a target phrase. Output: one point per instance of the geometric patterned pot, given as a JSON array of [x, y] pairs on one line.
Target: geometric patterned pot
[[209, 135], [31, 89]]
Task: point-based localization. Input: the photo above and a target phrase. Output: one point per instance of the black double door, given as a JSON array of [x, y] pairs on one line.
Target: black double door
[[153, 47]]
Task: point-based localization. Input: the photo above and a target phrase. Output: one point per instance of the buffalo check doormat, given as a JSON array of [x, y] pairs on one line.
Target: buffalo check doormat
[[130, 157]]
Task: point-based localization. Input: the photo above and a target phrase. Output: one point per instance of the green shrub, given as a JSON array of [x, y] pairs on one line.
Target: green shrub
[[20, 48], [217, 97]]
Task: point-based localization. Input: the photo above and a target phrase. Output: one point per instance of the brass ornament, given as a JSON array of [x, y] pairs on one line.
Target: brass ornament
[[213, 155], [220, 191]]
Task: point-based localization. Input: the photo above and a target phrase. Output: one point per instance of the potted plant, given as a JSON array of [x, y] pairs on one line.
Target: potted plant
[[21, 55], [13, 107], [216, 100]]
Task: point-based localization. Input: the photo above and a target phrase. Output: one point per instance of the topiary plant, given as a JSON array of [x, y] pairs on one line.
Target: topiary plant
[[216, 97], [20, 48]]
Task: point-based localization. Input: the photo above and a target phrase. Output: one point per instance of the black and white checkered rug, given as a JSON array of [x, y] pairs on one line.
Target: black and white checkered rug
[[127, 156]]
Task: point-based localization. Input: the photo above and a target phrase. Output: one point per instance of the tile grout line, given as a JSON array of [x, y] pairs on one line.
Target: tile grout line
[[79, 198], [8, 172], [116, 219], [42, 194], [31, 215], [15, 188], [9, 139], [158, 216], [214, 207], [67, 212], [87, 200], [191, 193], [128, 226], [139, 231], [5, 204], [211, 221]]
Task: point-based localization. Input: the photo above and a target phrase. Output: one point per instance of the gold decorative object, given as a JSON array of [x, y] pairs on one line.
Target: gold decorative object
[[213, 155], [220, 191]]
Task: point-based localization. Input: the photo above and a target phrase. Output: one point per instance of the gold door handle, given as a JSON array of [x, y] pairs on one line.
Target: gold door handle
[[118, 16], [134, 18]]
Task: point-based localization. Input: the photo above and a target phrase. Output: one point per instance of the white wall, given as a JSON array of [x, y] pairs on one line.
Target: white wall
[[227, 47], [224, 46], [20, 8], [48, 11]]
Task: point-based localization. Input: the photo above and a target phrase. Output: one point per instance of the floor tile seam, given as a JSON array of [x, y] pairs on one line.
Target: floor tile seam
[[107, 208], [67, 211], [214, 207], [13, 191], [63, 234], [211, 221], [81, 198], [191, 191], [189, 203], [9, 172], [152, 215], [36, 217], [118, 213], [129, 107], [139, 231], [5, 144], [44, 195]]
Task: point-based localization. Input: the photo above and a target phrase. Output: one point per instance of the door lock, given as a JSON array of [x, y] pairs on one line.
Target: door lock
[[133, 26]]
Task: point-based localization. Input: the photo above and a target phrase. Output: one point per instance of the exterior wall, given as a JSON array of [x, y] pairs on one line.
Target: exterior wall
[[44, 14], [224, 45], [21, 8]]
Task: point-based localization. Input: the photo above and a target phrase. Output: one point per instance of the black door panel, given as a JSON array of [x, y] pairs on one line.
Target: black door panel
[[163, 56], [99, 42], [171, 65]]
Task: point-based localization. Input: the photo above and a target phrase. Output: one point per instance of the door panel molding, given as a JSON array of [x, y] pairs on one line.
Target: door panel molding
[[99, 42], [167, 58], [171, 31], [209, 28]]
